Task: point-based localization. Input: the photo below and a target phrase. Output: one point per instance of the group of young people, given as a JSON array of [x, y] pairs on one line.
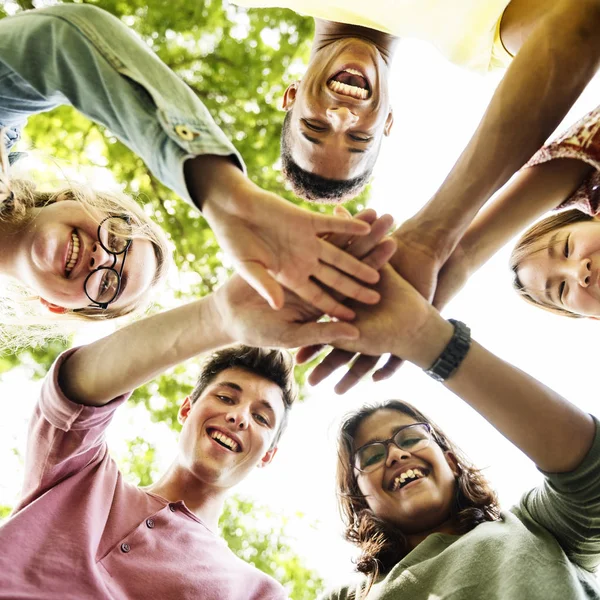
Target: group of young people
[[426, 520]]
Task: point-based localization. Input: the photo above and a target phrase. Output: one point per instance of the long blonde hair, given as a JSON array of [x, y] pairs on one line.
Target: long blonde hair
[[22, 318]]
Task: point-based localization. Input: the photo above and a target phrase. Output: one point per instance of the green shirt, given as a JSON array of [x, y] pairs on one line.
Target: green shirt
[[542, 549]]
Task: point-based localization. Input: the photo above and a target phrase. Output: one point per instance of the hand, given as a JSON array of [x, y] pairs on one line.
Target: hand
[[402, 323], [249, 319], [418, 259], [359, 247], [274, 243]]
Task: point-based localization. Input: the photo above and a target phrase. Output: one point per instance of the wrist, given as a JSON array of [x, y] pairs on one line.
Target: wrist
[[430, 340], [430, 233], [214, 183]]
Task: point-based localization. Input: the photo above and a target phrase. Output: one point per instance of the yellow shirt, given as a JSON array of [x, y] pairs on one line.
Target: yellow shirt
[[466, 32]]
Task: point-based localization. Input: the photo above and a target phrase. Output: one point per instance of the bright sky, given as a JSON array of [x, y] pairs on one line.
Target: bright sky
[[437, 106]]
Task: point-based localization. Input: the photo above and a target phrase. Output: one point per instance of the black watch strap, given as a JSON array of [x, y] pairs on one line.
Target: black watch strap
[[453, 354]]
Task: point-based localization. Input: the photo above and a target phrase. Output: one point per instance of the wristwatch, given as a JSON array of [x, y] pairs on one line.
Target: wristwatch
[[453, 354]]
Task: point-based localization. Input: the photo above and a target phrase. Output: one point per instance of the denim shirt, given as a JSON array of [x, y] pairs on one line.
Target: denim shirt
[[84, 56]]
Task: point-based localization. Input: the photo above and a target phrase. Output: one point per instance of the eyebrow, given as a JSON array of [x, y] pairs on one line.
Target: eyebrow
[[551, 244], [552, 255]]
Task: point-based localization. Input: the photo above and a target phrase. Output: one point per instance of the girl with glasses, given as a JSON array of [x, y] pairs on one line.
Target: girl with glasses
[[72, 254], [426, 521]]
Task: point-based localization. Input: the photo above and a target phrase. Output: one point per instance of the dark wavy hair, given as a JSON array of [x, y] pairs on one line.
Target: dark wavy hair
[[275, 365], [313, 187], [524, 249], [382, 544]]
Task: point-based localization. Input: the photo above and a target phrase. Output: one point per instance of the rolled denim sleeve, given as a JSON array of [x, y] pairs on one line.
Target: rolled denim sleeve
[[84, 56]]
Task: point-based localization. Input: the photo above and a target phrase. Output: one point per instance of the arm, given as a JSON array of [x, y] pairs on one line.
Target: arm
[[84, 56], [530, 194], [522, 409], [128, 358], [552, 68]]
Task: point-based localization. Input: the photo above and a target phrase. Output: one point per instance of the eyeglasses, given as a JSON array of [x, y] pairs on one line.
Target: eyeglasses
[[103, 284], [412, 438]]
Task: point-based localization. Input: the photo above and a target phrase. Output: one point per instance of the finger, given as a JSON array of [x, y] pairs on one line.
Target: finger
[[258, 277], [332, 224], [319, 333], [391, 366], [362, 245], [346, 263], [381, 255], [361, 366], [316, 296], [342, 240], [307, 353], [345, 285], [334, 360]]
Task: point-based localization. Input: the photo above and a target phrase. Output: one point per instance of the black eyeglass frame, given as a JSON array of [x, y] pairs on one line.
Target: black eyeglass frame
[[115, 255], [389, 441]]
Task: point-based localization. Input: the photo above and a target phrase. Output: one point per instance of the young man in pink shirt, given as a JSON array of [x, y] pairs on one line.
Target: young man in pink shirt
[[80, 531]]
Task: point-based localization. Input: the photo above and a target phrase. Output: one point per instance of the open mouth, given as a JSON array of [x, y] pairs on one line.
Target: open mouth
[[407, 477], [350, 82], [73, 252], [224, 440]]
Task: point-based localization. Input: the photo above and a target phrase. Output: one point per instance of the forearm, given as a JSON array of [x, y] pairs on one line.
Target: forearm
[[83, 56], [554, 433], [132, 356], [549, 73], [533, 192]]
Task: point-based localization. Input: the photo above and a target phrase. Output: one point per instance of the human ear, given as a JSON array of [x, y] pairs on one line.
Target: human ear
[[184, 410], [388, 123], [54, 308], [452, 463], [267, 458], [289, 96]]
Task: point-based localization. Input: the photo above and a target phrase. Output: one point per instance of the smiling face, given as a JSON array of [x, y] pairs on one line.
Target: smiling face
[[562, 270], [420, 505], [340, 110], [230, 427], [59, 248]]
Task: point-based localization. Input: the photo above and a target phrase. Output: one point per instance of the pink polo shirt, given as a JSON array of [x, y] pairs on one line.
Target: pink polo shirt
[[81, 532]]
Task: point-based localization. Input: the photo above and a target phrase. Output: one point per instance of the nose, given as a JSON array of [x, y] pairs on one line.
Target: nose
[[341, 117], [238, 419], [395, 455], [582, 271], [99, 257]]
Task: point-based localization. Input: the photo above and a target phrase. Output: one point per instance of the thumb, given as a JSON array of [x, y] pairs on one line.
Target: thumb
[[260, 279]]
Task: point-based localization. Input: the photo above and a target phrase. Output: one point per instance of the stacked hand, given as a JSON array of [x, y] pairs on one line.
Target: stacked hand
[[250, 319], [421, 263]]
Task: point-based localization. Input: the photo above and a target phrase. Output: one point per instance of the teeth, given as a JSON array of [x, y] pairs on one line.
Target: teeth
[[354, 72], [348, 90], [74, 253], [227, 441], [411, 474]]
